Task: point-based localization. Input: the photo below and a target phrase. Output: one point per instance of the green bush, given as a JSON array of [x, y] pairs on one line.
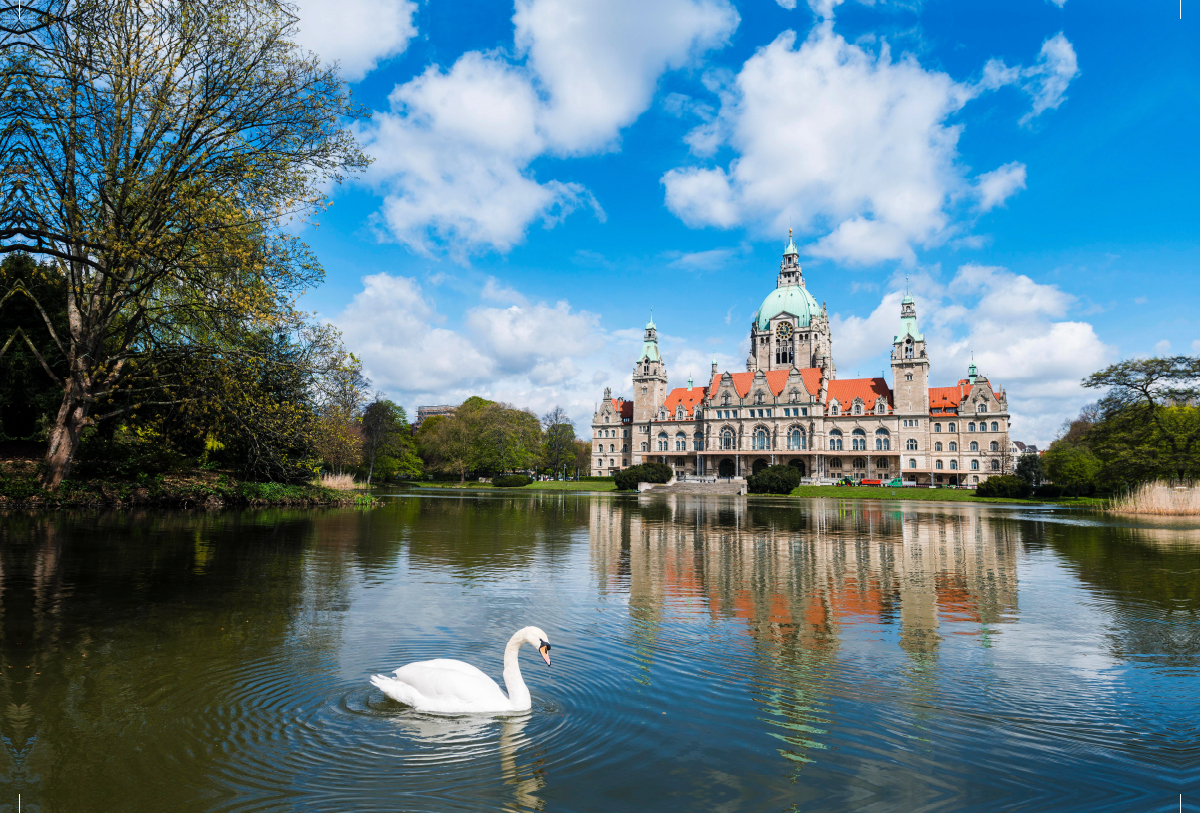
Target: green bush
[[511, 480], [1006, 486], [774, 480], [590, 479], [628, 479], [1049, 491]]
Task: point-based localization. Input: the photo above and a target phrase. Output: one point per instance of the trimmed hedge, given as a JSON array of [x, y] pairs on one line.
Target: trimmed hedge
[[628, 479], [512, 480], [774, 480], [1050, 491], [1006, 486]]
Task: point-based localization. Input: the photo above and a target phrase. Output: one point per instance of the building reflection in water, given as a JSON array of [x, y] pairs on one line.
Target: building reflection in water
[[805, 587]]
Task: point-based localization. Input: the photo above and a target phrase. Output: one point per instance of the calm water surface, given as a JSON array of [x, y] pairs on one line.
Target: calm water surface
[[709, 655]]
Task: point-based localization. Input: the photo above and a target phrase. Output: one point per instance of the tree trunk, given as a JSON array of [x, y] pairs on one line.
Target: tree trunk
[[65, 436]]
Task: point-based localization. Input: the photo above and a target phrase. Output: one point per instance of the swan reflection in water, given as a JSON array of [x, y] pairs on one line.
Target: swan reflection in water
[[473, 738]]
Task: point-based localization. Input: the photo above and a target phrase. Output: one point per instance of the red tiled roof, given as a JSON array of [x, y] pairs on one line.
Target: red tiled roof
[[776, 381], [951, 397], [689, 399], [845, 390], [623, 408]]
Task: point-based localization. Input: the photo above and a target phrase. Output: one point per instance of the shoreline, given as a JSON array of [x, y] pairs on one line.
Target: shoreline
[[20, 489]]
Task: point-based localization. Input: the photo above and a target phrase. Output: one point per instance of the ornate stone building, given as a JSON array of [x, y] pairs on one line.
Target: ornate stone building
[[790, 407]]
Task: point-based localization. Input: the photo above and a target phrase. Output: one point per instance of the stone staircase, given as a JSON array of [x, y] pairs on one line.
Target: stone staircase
[[699, 488]]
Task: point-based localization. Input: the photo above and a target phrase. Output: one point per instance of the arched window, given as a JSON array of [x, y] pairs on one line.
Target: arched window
[[881, 463], [727, 439], [995, 426], [974, 465], [911, 444], [858, 440], [760, 439], [971, 426], [953, 446], [950, 428], [937, 464], [835, 463], [680, 442], [858, 409], [982, 408], [643, 447], [974, 446], [937, 447], [954, 465], [880, 407], [833, 408], [612, 447], [908, 348], [859, 463], [835, 440], [908, 376], [937, 427], [795, 438], [912, 464], [662, 441], [698, 441], [975, 478], [883, 440], [606, 419], [994, 446], [995, 465]]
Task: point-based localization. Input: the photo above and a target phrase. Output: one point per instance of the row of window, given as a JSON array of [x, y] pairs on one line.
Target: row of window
[[612, 433], [983, 427], [612, 447], [937, 464]]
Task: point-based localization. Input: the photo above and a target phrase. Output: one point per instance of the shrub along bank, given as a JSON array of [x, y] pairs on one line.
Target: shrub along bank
[[628, 479], [20, 488]]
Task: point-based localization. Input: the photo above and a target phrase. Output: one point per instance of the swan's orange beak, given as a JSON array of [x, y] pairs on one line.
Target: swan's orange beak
[[545, 650]]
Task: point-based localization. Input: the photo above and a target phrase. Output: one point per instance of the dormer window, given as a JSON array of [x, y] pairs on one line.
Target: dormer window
[[858, 409], [833, 409]]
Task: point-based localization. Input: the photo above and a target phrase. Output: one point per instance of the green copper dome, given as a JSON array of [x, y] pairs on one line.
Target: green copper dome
[[791, 299]]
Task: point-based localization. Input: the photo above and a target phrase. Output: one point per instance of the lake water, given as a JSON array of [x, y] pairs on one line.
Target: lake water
[[710, 654]]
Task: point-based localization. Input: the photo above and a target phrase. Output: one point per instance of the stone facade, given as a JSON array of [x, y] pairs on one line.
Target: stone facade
[[790, 407]]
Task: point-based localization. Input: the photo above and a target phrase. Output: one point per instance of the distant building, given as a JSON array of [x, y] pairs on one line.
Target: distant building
[[790, 407], [424, 412]]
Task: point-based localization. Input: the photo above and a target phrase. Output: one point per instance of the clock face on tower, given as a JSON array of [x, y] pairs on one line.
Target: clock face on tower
[[783, 330]]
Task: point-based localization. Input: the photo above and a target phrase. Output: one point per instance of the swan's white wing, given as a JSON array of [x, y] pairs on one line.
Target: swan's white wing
[[446, 686]]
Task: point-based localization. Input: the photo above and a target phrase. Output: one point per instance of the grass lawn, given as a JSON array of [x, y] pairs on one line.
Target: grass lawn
[[548, 485], [937, 494]]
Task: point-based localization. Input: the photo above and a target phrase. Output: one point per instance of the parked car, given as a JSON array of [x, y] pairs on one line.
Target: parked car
[[896, 482]]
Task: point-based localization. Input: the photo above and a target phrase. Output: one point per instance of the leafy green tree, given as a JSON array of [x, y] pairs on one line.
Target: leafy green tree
[[558, 444], [582, 451], [1150, 425], [1071, 465], [1029, 468], [162, 148], [27, 389], [774, 480], [387, 437]]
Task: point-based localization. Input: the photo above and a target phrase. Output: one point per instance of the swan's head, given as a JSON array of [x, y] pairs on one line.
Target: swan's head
[[538, 640]]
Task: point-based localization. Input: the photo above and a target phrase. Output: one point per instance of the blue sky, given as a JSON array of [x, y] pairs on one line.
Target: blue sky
[[546, 172]]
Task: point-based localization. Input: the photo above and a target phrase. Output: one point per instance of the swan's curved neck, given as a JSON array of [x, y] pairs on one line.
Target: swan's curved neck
[[518, 692]]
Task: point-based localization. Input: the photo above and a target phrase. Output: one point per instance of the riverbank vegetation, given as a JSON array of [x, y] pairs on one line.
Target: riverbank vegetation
[[1159, 498]]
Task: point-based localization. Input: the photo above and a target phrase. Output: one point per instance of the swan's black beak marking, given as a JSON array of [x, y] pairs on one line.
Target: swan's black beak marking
[[544, 648]]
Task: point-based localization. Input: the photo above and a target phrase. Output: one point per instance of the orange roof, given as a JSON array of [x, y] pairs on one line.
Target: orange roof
[[623, 408], [845, 390], [688, 397], [951, 397], [776, 381]]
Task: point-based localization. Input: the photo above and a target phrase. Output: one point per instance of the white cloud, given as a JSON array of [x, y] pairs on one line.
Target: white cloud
[[1017, 331], [453, 153], [854, 147], [1162, 348], [1196, 347], [532, 355], [1055, 68], [712, 260], [835, 140], [1000, 184], [356, 33]]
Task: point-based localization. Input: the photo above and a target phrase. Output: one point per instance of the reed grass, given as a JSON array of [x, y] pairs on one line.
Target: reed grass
[[1160, 498], [340, 482]]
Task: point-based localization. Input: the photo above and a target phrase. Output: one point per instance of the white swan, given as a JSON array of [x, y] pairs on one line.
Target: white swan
[[446, 686]]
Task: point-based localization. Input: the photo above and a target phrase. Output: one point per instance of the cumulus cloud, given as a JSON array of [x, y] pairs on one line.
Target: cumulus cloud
[[1162, 348], [999, 185], [356, 33], [836, 140], [453, 152], [534, 355], [855, 147], [1017, 331]]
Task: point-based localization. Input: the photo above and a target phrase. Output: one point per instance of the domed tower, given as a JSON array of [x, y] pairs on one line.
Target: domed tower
[[649, 377], [790, 329]]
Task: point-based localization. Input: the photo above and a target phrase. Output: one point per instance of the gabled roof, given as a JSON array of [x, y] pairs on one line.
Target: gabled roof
[[623, 408], [776, 381], [870, 390], [952, 397], [689, 399]]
